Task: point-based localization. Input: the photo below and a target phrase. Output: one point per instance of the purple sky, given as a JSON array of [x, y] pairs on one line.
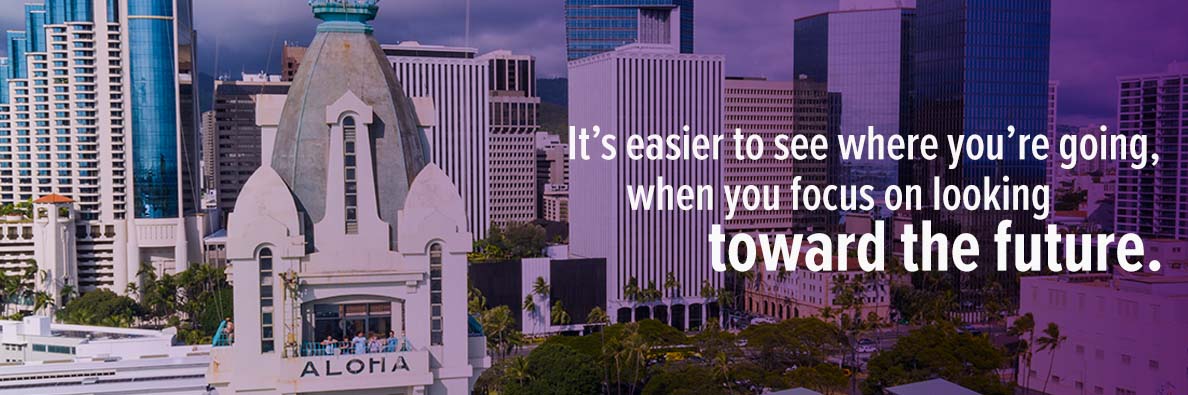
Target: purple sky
[[1093, 41]]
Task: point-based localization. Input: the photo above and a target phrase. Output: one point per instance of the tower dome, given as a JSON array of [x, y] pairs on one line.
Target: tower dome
[[344, 57]]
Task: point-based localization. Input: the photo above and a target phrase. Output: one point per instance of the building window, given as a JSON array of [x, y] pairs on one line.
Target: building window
[[266, 334], [435, 329], [350, 183]]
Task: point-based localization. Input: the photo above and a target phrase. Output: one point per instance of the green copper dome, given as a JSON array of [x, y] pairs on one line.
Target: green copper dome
[[345, 15]]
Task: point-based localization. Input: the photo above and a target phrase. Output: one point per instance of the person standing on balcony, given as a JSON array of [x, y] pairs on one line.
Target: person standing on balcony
[[360, 343]]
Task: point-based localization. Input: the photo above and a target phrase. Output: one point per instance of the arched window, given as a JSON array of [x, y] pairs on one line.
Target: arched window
[[266, 334], [435, 322], [350, 181]]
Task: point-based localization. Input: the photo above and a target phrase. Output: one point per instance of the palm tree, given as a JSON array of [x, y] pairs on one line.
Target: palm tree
[[517, 370], [671, 285], [558, 314], [41, 300], [529, 305], [631, 290], [1024, 325], [1051, 341], [541, 287], [597, 316]]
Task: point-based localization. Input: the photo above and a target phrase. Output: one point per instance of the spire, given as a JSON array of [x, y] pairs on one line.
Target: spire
[[345, 16]]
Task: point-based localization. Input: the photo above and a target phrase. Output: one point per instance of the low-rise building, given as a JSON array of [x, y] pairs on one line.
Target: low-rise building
[[1125, 333], [57, 359]]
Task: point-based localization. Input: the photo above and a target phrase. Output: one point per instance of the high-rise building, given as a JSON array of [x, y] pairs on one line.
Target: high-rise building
[[291, 55], [515, 118], [1052, 164], [596, 26], [963, 86], [621, 92], [99, 107], [1153, 202], [237, 139], [552, 172], [766, 108], [459, 86], [863, 53], [349, 231], [208, 148]]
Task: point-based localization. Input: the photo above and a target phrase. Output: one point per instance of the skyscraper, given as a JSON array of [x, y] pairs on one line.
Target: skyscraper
[[622, 91], [515, 118], [597, 26], [864, 55], [981, 66], [100, 107], [1152, 201], [237, 139], [458, 85]]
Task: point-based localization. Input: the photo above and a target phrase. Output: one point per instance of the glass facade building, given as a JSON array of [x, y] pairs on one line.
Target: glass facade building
[[981, 66], [865, 57], [154, 104], [597, 26]]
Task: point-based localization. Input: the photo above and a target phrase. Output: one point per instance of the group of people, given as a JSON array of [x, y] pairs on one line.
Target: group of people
[[361, 344]]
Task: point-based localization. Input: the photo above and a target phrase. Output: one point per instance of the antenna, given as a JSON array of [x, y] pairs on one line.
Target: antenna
[[468, 23]]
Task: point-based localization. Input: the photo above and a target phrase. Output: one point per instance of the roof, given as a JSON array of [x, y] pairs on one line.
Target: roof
[[795, 391], [931, 387], [53, 198]]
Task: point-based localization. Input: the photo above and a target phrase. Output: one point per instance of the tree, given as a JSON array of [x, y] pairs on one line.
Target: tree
[[685, 379], [938, 350], [1024, 325], [828, 379], [558, 315], [793, 342], [671, 285], [540, 287], [500, 329], [554, 369], [1051, 341], [529, 305], [597, 317], [514, 241], [102, 308], [631, 289]]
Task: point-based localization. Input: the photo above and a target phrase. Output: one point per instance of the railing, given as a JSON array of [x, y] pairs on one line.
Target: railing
[[312, 349], [221, 337]]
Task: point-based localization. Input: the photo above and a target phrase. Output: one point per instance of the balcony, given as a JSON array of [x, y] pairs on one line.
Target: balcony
[[318, 373]]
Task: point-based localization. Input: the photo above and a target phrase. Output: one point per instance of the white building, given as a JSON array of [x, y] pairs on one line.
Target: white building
[[556, 202], [625, 92], [57, 359], [457, 84], [515, 118], [1151, 202], [1125, 334], [350, 231], [84, 116], [766, 108]]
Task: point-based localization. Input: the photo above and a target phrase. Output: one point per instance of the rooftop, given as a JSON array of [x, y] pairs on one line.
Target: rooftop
[[53, 198], [931, 387]]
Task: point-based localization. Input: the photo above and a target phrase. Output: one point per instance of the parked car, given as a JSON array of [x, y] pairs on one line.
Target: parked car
[[867, 346]]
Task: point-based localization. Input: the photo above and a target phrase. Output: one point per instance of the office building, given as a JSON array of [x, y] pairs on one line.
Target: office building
[[208, 149], [1151, 201], [765, 108], [556, 203], [621, 91], [291, 55], [596, 26], [1053, 163], [552, 168], [237, 139], [962, 86], [100, 107], [45, 358], [350, 231], [514, 118], [459, 86], [510, 283], [804, 293], [1123, 332], [864, 54]]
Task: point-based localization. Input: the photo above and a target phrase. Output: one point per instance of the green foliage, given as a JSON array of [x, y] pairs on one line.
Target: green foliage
[[794, 342], [558, 315], [499, 326], [825, 378], [552, 369], [515, 241], [102, 308], [684, 379], [938, 350]]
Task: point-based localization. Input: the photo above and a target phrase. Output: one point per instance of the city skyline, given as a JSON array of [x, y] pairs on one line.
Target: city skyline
[[1092, 41]]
